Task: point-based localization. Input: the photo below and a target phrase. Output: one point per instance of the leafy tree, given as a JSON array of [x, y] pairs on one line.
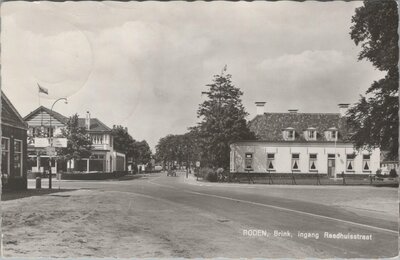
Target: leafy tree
[[180, 148], [223, 121], [79, 144], [374, 118], [141, 152], [123, 141], [167, 149]]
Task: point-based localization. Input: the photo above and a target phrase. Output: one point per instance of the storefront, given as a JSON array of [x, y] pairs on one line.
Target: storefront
[[13, 147]]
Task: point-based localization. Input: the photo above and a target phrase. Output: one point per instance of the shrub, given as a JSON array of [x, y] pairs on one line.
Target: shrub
[[392, 173], [379, 173], [212, 177], [208, 174]]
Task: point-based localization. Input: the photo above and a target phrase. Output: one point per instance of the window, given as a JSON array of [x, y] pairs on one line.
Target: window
[[295, 162], [366, 163], [311, 134], [350, 162], [331, 135], [289, 134], [18, 157], [270, 162], [5, 157], [313, 162], [248, 161], [97, 139]]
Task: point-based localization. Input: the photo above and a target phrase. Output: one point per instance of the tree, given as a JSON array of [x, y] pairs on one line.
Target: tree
[[179, 148], [374, 118], [223, 121], [79, 144], [141, 152], [123, 141]]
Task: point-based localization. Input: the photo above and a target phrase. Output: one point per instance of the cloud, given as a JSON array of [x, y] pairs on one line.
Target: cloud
[[144, 64]]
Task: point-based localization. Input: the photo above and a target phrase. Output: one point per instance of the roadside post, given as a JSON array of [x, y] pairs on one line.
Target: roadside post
[[344, 179], [248, 175], [197, 170], [270, 181], [318, 180], [293, 179]]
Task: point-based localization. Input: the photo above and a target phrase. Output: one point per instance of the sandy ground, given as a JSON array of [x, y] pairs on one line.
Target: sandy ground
[[88, 223]]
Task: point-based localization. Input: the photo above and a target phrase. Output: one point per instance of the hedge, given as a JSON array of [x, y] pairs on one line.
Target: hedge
[[92, 175]]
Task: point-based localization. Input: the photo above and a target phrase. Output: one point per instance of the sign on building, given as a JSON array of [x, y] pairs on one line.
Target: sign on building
[[59, 142], [40, 142]]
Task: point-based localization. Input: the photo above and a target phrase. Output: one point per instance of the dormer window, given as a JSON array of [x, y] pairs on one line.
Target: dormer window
[[311, 134], [331, 134], [289, 134]]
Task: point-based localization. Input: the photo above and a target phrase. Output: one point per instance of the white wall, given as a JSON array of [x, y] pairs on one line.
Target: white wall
[[283, 156]]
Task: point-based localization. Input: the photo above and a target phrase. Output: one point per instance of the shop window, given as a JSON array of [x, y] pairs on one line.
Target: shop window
[[350, 162], [18, 157], [270, 161], [5, 157], [313, 162], [295, 162]]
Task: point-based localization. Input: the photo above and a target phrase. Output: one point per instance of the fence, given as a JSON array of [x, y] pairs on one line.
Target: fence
[[309, 179]]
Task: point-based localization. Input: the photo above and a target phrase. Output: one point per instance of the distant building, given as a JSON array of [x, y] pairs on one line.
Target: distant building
[[296, 142], [13, 147], [104, 157]]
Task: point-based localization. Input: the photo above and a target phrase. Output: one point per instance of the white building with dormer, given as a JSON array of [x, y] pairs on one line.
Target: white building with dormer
[[296, 142]]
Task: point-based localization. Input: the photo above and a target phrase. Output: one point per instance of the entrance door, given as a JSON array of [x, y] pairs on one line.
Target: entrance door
[[331, 165]]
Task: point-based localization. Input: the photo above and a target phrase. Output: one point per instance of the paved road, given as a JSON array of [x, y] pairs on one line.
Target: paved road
[[251, 208]]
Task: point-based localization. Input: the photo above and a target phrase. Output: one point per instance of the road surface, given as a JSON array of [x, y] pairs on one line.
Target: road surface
[[183, 218]]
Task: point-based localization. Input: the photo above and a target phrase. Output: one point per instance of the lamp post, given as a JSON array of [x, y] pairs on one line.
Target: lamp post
[[51, 138]]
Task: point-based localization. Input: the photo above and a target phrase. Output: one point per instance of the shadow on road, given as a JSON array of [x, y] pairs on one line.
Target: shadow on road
[[13, 195]]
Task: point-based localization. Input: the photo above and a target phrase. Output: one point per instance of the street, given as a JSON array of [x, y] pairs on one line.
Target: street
[[160, 216]]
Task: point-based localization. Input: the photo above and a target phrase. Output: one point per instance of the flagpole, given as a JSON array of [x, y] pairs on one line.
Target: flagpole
[[41, 117]]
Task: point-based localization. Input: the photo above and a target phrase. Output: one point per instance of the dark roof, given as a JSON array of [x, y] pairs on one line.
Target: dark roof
[[269, 126], [10, 115], [56, 115], [95, 125]]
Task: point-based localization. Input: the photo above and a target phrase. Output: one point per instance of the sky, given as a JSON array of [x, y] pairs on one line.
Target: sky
[[144, 65]]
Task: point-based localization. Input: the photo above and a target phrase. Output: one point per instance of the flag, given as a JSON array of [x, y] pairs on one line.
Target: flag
[[43, 90]]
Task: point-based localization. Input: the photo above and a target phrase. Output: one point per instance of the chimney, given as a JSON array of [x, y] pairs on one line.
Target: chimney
[[293, 111], [260, 107], [87, 120], [343, 109]]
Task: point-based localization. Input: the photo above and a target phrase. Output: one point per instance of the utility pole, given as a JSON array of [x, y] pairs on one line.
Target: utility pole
[[51, 141]]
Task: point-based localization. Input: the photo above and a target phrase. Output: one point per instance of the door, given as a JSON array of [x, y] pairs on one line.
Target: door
[[331, 166]]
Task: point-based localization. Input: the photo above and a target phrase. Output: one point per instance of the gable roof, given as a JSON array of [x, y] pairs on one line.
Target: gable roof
[[56, 115], [95, 125], [10, 115], [269, 126]]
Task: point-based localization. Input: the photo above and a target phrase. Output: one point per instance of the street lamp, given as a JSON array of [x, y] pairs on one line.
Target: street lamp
[[51, 137]]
